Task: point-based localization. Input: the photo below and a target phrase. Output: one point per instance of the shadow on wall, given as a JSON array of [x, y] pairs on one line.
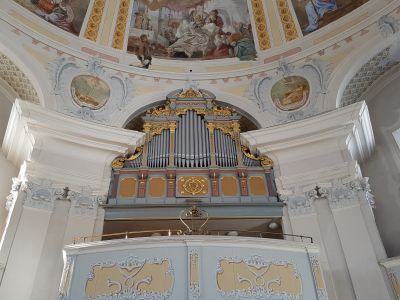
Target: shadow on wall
[[383, 167]]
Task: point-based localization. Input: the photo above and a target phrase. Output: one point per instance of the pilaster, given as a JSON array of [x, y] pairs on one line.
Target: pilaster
[[65, 172], [318, 177]]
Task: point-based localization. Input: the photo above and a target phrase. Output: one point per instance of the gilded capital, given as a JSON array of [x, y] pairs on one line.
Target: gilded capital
[[211, 126], [172, 126]]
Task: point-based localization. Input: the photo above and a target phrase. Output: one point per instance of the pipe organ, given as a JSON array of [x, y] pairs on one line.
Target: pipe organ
[[191, 149]]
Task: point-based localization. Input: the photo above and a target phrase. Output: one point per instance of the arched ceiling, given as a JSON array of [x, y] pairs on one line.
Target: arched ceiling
[[367, 75], [200, 29], [17, 80]]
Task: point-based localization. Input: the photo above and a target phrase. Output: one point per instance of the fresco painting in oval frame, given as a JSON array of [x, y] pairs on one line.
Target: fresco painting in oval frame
[[290, 93], [90, 91], [191, 29], [67, 15]]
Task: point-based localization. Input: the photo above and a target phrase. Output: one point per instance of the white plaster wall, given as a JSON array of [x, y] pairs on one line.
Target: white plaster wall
[[7, 170], [383, 167]]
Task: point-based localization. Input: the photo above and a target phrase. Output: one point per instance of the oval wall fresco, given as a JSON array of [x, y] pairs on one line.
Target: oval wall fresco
[[90, 91], [290, 93]]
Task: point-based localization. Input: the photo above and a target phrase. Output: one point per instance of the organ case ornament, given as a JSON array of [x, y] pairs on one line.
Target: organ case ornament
[[188, 140]]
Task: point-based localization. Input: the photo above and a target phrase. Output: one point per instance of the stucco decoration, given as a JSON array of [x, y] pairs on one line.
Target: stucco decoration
[[89, 91], [133, 278], [388, 26], [17, 80], [369, 73], [255, 277], [40, 193], [290, 93], [316, 73], [115, 90], [12, 197], [85, 202]]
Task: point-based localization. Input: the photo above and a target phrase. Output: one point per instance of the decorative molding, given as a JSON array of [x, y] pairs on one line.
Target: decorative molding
[[388, 26], [120, 27], [253, 274], [194, 285], [288, 25], [123, 283], [298, 204], [63, 71], [318, 278], [367, 75], [17, 80], [261, 24], [66, 278], [316, 72], [40, 194], [84, 202], [339, 194], [96, 15], [12, 197]]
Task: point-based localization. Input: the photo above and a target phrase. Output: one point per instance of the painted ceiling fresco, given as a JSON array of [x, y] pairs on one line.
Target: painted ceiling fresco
[[191, 29], [65, 14], [314, 14], [201, 29]]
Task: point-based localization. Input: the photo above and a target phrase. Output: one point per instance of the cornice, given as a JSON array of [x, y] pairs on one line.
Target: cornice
[[351, 125]]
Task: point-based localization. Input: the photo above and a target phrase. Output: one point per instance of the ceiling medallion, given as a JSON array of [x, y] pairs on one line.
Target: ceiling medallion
[[90, 91], [290, 93]]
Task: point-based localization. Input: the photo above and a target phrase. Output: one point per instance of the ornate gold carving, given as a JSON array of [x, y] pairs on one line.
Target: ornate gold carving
[[193, 185], [131, 278], [198, 110], [127, 187], [288, 24], [120, 27], [222, 111], [172, 126], [161, 111], [211, 126], [191, 93], [156, 128], [133, 156], [93, 25], [265, 160], [227, 127], [261, 24], [247, 276], [119, 161]]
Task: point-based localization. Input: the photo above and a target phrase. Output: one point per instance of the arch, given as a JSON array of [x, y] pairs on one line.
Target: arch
[[352, 64], [25, 68], [141, 103]]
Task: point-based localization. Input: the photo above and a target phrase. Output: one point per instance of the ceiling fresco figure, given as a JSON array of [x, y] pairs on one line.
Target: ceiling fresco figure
[[206, 29], [65, 14], [314, 14]]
